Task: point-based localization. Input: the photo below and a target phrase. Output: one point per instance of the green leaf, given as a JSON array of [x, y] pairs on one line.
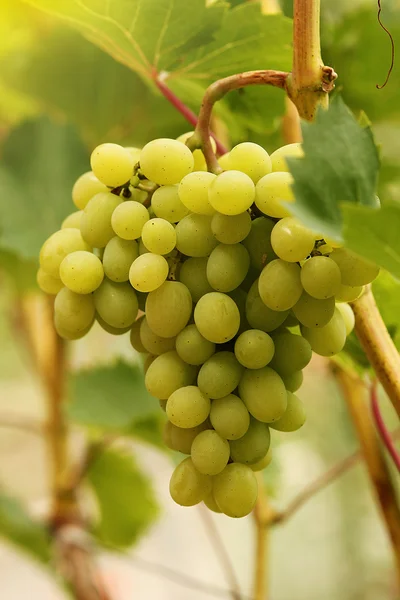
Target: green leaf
[[386, 290], [126, 500], [149, 430], [340, 165], [18, 528], [40, 162], [110, 397], [22, 272]]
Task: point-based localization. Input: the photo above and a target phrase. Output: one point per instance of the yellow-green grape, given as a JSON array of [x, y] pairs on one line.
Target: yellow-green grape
[[292, 353], [47, 283], [116, 303], [294, 416], [229, 417], [231, 229], [348, 316], [320, 277], [235, 490], [278, 158], [258, 242], [85, 187], [231, 193], [152, 342], [254, 348], [169, 308], [259, 315], [166, 161], [220, 375], [291, 241], [134, 152], [312, 312], [73, 313], [328, 340], [209, 501], [193, 273], [128, 220], [272, 191], [82, 272], [192, 347], [58, 246], [118, 257], [135, 340], [69, 334], [210, 452], [110, 329], [167, 205], [112, 164], [188, 406], [72, 221], [253, 445], [354, 269], [193, 192], [293, 380], [279, 285], [251, 159], [148, 272], [187, 486], [217, 317], [263, 463], [182, 439], [224, 162], [194, 236], [348, 293], [199, 160], [227, 266], [264, 394], [168, 373], [96, 219], [158, 235]]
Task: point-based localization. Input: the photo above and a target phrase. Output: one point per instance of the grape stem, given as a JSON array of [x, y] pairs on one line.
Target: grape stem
[[263, 517]]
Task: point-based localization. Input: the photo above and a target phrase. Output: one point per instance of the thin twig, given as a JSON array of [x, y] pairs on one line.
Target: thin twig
[[23, 423], [263, 516], [381, 427]]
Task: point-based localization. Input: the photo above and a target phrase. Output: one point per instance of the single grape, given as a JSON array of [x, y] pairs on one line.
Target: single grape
[[291, 241], [348, 293], [258, 242], [193, 192], [320, 277], [312, 312], [235, 490], [73, 221], [182, 439], [259, 315], [187, 486], [57, 247], [47, 283], [231, 229], [263, 463], [210, 452], [264, 394], [110, 329], [168, 373], [199, 159], [85, 187], [112, 164], [292, 353], [135, 340], [193, 274], [229, 417], [96, 219], [294, 416], [227, 266], [158, 235], [348, 316], [217, 317], [278, 158], [251, 159], [73, 313], [166, 161], [167, 205], [272, 191], [231, 193], [194, 236], [68, 333], [293, 380], [354, 269], [253, 445], [128, 220], [152, 342], [220, 375], [279, 285], [327, 340], [118, 257], [116, 303], [82, 272], [188, 406], [254, 349], [209, 501], [169, 308], [192, 347], [148, 272]]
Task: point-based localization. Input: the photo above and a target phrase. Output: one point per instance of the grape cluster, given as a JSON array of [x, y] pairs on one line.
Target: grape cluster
[[235, 295]]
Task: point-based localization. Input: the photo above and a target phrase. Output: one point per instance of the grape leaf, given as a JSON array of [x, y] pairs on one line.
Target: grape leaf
[[126, 499], [149, 429]]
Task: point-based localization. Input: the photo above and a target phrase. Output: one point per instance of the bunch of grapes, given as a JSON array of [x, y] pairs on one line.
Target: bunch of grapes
[[233, 294]]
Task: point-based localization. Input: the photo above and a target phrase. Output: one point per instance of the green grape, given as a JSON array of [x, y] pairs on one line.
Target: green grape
[[278, 158], [148, 272], [229, 417], [194, 236], [327, 340], [85, 187], [348, 293], [258, 243], [235, 490], [182, 439], [294, 416], [224, 161], [231, 193], [96, 219], [110, 329], [112, 164], [48, 283], [312, 312], [167, 205], [193, 192], [227, 266], [354, 269], [293, 380], [292, 353], [135, 340], [272, 192], [279, 285], [348, 316], [152, 342], [198, 157], [220, 375], [168, 373], [73, 221], [193, 274], [57, 247], [128, 220], [82, 272], [192, 347], [251, 159], [69, 334], [264, 394], [259, 315], [116, 303], [231, 229], [158, 235], [254, 349], [187, 486], [217, 317], [169, 308], [263, 463], [166, 161], [209, 501], [210, 452], [253, 445], [118, 257], [320, 277], [73, 313], [291, 241], [188, 406]]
